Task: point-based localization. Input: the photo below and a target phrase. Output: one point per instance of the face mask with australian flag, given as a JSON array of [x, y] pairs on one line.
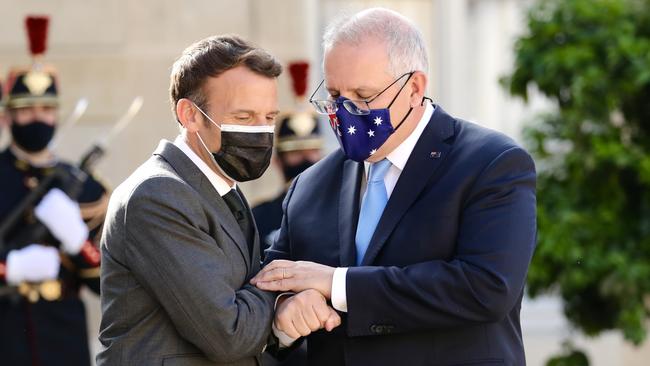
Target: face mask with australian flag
[[360, 136], [362, 133]]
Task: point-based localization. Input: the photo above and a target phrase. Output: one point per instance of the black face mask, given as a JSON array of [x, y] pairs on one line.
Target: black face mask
[[244, 156], [33, 136], [245, 152], [292, 171]]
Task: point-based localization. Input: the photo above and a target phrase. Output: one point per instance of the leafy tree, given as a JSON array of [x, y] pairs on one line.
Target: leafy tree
[[591, 57]]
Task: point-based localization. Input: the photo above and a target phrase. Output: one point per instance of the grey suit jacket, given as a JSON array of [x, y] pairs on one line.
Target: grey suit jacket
[[175, 271]]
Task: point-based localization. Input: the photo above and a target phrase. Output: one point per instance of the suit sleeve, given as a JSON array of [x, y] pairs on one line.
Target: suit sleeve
[[281, 248], [481, 283], [173, 257]]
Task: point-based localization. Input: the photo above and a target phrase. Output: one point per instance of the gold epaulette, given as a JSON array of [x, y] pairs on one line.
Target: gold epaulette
[[89, 272]]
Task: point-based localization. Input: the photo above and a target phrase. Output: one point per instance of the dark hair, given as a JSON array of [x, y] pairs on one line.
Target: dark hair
[[211, 57]]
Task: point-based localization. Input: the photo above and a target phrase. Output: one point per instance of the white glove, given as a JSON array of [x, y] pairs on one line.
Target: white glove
[[34, 263], [62, 217]]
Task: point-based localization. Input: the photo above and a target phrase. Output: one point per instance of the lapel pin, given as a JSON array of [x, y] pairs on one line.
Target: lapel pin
[[435, 154]]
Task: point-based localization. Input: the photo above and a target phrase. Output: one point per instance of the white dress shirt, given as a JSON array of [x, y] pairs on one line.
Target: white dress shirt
[[217, 182], [398, 159]]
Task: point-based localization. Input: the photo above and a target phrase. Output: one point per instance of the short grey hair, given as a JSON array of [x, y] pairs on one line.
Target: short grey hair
[[404, 42]]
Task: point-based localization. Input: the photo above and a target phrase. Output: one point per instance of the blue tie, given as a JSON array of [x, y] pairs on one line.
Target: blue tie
[[374, 201]]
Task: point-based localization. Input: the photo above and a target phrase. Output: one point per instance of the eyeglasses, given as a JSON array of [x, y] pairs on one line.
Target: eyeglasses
[[356, 107]]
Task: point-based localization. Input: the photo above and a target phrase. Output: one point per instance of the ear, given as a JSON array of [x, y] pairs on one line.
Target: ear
[[187, 115], [418, 88]]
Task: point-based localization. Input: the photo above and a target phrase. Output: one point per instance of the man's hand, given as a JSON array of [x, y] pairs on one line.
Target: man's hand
[[306, 312], [283, 275]]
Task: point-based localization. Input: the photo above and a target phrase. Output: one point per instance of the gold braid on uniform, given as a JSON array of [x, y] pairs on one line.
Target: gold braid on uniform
[[89, 272]]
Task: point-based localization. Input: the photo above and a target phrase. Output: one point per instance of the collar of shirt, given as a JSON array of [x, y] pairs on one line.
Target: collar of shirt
[[50, 160], [400, 155], [217, 182]]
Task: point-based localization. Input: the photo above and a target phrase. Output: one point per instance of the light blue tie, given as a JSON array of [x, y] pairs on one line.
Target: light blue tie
[[374, 201]]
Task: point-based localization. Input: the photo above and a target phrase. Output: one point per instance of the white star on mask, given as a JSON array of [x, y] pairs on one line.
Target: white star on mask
[[352, 130], [373, 151], [371, 133], [378, 121]]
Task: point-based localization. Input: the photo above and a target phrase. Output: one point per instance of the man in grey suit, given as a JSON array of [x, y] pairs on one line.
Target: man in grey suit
[[180, 243]]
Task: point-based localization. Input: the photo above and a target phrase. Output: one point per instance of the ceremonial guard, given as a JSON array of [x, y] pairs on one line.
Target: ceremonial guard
[[50, 217], [298, 146]]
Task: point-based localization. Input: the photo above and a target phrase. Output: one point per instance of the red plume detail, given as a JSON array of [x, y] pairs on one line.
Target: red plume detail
[[37, 33], [299, 71]]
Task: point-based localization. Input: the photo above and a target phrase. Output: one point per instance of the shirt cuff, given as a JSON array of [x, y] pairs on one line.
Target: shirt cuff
[[284, 340], [339, 294]]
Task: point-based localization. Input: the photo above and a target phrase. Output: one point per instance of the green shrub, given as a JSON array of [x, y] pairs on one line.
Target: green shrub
[[591, 57]]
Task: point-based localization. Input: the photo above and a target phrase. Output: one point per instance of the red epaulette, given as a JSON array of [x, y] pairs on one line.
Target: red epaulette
[[90, 253]]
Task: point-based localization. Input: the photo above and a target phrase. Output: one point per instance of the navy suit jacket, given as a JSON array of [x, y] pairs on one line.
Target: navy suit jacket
[[443, 277]]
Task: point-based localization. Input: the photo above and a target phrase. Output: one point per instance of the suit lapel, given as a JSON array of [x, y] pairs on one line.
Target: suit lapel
[[429, 153], [349, 210], [187, 170]]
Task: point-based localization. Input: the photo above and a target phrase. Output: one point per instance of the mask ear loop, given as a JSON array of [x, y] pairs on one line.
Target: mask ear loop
[[206, 116], [206, 147], [395, 98], [400, 89], [403, 119], [213, 159], [199, 136], [410, 110]]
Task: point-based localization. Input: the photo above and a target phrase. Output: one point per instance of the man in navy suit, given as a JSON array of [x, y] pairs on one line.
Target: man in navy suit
[[419, 230]]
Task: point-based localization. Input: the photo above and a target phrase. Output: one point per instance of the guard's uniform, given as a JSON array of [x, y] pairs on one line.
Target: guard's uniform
[[47, 323], [44, 323]]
